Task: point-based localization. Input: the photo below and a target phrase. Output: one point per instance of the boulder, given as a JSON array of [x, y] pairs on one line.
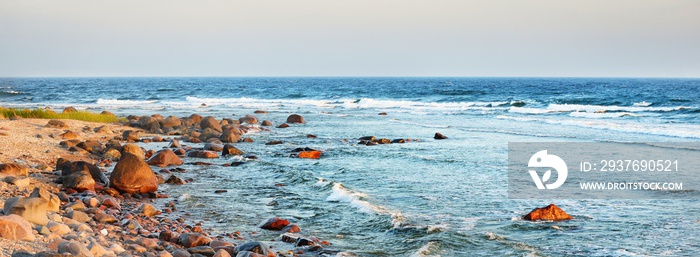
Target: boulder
[[13, 169], [229, 149], [74, 248], [14, 227], [249, 254], [222, 253], [133, 175], [133, 149], [56, 124], [260, 112], [69, 109], [131, 136], [105, 112], [213, 147], [82, 176], [69, 135], [102, 130], [291, 228], [210, 122], [255, 247], [92, 146], [53, 203], [174, 180], [196, 118], [32, 209], [283, 125], [310, 154], [439, 136], [250, 119], [230, 136], [207, 154], [193, 239], [175, 144], [164, 158], [201, 250], [274, 223], [149, 124], [266, 123], [274, 142], [171, 121], [549, 213], [112, 154], [295, 118], [147, 210]]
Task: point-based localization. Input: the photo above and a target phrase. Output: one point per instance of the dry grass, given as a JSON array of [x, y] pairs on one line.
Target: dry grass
[[50, 114]]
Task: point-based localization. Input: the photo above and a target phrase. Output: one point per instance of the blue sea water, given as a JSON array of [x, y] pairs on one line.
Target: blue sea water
[[424, 198]]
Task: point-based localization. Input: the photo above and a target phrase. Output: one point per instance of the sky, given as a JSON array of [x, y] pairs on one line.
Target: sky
[[490, 38]]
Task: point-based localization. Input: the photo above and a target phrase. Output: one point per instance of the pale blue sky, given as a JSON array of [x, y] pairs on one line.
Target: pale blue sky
[[618, 38]]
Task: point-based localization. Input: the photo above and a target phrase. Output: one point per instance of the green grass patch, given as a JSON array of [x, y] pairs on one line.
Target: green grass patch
[[50, 114]]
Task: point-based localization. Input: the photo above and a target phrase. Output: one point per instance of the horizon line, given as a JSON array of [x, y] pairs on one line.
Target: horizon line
[[352, 76]]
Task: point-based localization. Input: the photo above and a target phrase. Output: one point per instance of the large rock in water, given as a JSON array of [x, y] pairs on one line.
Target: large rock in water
[[550, 213], [14, 227], [210, 122], [275, 223], [165, 158], [295, 118], [13, 169], [133, 149], [32, 209], [250, 119], [230, 136], [133, 175], [229, 149]]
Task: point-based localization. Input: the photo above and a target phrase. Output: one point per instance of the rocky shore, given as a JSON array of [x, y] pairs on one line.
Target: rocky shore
[[73, 188]]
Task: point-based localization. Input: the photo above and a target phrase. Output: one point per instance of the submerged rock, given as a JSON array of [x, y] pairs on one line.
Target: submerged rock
[[310, 154], [549, 213], [275, 223], [295, 118], [439, 136]]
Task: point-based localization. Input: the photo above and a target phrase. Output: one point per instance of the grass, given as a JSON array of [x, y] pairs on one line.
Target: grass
[[50, 114]]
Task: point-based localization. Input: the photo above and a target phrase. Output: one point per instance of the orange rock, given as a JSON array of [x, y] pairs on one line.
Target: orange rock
[[310, 154], [550, 213]]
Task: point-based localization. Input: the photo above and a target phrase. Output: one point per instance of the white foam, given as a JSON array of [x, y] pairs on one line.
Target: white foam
[[527, 110], [355, 199], [321, 182], [643, 104], [607, 108], [428, 249], [598, 115], [129, 103]]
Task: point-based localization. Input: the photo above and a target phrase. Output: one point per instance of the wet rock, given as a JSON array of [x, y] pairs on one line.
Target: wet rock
[[291, 228], [368, 138], [229, 149], [220, 191], [52, 202], [383, 141], [310, 154], [249, 254], [111, 203], [164, 158], [213, 147], [131, 136], [133, 175], [382, 114], [295, 118], [189, 240], [311, 136], [260, 112], [283, 125], [250, 119], [398, 141], [14, 227], [248, 140], [274, 142], [13, 169], [31, 209], [230, 136], [210, 122], [174, 180], [222, 253], [304, 242], [181, 253], [56, 124], [266, 123], [112, 154], [439, 136], [274, 223], [549, 213], [207, 154], [255, 247]]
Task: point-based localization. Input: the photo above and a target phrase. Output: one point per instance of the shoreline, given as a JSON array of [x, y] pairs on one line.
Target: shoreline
[[97, 220]]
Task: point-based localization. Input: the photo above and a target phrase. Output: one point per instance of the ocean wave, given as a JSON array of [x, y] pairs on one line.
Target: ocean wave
[[598, 115], [10, 92], [611, 108], [356, 199], [130, 103], [429, 249], [672, 130]]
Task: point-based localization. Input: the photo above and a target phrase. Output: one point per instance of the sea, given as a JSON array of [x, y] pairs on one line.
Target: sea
[[425, 197]]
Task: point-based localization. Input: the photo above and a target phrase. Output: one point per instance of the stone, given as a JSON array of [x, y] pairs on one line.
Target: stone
[[56, 124], [274, 223], [133, 149], [69, 143], [105, 218], [548, 213], [181, 253], [69, 135], [291, 228], [207, 154], [213, 147], [382, 114], [274, 142], [260, 112], [175, 144], [13, 169], [19, 182], [174, 180], [108, 113], [230, 136], [58, 228], [77, 205], [53, 203], [171, 121], [266, 123], [149, 124], [32, 209], [255, 247], [131, 136], [69, 109], [92, 146], [295, 118], [147, 210], [229, 149], [79, 216], [203, 250], [103, 130], [222, 253], [250, 119], [310, 154], [210, 122], [189, 240], [283, 125], [112, 154], [165, 158], [133, 175], [439, 136], [75, 248], [14, 227], [97, 250], [249, 254], [81, 176]]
